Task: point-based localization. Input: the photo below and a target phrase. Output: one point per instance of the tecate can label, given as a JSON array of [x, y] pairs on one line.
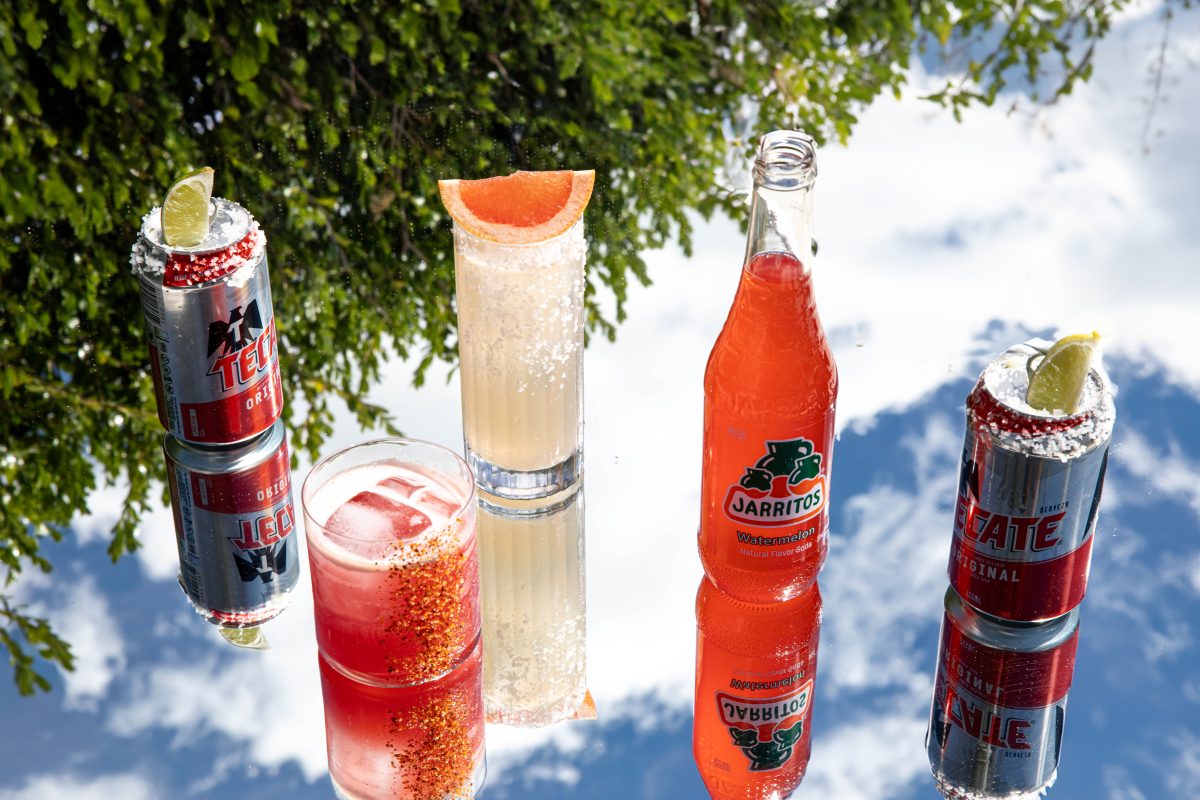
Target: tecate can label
[[1023, 528], [997, 718], [214, 357], [237, 551], [766, 730]]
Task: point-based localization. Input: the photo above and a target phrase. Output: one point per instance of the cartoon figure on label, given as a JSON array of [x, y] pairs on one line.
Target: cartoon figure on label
[[793, 458], [771, 754]]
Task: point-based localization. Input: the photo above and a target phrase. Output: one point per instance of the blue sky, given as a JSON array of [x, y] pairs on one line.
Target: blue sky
[[940, 245]]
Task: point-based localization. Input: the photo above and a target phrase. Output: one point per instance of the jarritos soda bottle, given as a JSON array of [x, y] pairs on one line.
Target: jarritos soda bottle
[[769, 395], [755, 665]]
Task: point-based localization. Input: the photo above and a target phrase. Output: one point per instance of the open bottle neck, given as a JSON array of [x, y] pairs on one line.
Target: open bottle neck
[[785, 170], [781, 222]]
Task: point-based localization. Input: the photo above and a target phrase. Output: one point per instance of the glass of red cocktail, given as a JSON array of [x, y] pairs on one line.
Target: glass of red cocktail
[[395, 572]]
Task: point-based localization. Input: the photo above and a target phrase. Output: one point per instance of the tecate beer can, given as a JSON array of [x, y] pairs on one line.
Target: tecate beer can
[[235, 527], [999, 702], [211, 329], [1028, 495]]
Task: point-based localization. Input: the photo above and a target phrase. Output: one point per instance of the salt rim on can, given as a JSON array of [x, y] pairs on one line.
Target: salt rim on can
[[998, 406], [235, 242]]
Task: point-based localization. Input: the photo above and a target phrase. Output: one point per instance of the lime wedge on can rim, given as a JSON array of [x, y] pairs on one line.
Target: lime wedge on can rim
[[251, 638], [185, 211], [1056, 384]]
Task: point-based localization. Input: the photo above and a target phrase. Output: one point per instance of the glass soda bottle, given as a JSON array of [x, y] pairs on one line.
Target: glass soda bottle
[[755, 668], [769, 395]]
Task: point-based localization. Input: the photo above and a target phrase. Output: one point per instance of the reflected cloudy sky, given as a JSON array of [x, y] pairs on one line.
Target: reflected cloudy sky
[[941, 243]]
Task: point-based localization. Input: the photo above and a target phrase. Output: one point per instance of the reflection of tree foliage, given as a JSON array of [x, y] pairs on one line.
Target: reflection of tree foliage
[[332, 122]]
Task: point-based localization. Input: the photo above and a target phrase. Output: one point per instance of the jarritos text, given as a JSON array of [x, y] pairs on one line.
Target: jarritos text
[[768, 730], [784, 487]]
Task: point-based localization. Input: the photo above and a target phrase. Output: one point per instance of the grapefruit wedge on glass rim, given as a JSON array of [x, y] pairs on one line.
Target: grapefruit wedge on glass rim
[[522, 208]]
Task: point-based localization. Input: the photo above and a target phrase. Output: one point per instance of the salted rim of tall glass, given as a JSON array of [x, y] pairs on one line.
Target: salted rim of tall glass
[[326, 463], [459, 229]]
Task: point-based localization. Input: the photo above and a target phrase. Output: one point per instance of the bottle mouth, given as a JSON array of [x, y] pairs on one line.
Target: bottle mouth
[[786, 160]]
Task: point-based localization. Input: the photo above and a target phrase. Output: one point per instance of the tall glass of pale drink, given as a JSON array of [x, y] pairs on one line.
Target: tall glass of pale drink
[[520, 328], [519, 254]]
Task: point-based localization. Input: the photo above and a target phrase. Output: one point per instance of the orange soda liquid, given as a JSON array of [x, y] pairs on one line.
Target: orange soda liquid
[[769, 394], [755, 670]]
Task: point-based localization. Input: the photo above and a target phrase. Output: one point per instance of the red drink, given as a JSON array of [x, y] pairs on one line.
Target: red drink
[[769, 391], [395, 571], [420, 742]]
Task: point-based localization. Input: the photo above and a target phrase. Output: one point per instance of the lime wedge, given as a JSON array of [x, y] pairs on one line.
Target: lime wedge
[[250, 638], [1056, 385], [185, 211]]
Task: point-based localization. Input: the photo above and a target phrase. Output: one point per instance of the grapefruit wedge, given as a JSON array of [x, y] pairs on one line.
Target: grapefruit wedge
[[522, 208]]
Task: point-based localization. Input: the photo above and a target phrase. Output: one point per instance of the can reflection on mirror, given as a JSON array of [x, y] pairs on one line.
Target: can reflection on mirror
[[534, 626]]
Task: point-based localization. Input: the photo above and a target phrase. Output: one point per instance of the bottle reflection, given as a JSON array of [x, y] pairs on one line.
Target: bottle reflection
[[755, 671], [534, 625], [999, 702]]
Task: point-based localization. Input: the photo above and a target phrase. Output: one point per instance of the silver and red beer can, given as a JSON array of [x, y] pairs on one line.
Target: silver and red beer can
[[211, 329], [1028, 495], [999, 702], [235, 527]]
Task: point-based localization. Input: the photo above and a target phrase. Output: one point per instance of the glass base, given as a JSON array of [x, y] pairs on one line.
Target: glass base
[[476, 786], [512, 484], [569, 708]]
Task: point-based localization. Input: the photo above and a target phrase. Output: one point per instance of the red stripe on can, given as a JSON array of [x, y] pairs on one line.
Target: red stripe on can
[[1005, 678], [239, 416], [240, 492], [1020, 590]]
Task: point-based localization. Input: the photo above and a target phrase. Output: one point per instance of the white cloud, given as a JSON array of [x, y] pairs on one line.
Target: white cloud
[[158, 555], [77, 787], [886, 574], [85, 621], [873, 757], [79, 614], [1119, 786], [1183, 772], [155, 531], [1166, 472], [279, 689]]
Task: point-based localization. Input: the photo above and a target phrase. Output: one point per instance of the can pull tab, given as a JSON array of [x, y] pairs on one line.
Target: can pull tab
[[251, 638]]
